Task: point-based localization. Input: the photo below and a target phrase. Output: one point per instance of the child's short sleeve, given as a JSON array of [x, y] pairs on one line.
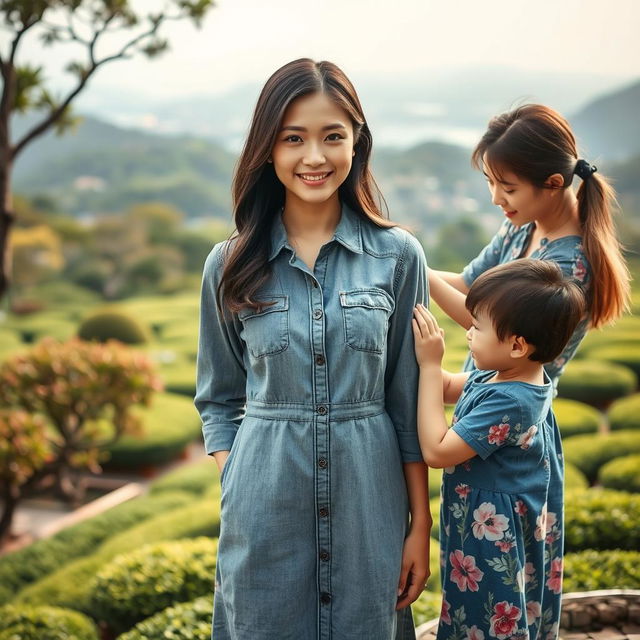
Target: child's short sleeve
[[495, 420]]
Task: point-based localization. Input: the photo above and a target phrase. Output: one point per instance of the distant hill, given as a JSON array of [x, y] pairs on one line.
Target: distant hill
[[101, 167], [609, 127]]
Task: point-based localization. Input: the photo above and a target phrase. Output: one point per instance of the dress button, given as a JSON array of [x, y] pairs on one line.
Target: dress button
[[317, 314], [319, 360], [325, 598], [322, 463], [315, 284], [321, 409], [323, 512], [324, 556]]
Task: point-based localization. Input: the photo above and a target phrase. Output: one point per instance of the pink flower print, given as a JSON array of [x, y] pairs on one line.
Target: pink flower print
[[553, 632], [579, 270], [489, 524], [466, 465], [449, 469], [555, 576], [504, 621], [529, 572], [520, 508], [505, 545], [465, 573], [444, 611], [463, 490], [525, 439], [473, 633], [498, 433], [533, 611], [544, 522]]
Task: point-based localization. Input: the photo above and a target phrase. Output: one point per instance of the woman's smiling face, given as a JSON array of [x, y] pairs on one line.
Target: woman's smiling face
[[313, 152]]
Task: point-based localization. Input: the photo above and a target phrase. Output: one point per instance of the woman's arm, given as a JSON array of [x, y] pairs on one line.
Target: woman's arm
[[449, 292], [454, 279]]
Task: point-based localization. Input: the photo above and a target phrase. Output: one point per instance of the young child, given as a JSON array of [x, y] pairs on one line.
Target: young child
[[501, 531]]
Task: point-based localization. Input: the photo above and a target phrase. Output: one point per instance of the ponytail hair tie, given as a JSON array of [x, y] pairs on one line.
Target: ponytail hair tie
[[584, 170]]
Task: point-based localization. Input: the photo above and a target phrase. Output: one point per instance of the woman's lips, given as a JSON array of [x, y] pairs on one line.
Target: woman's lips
[[314, 179]]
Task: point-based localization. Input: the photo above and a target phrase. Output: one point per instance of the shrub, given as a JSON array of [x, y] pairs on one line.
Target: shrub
[[574, 478], [185, 621], [627, 355], [596, 383], [621, 473], [591, 570], [590, 452], [435, 482], [42, 557], [136, 585], [575, 417], [601, 519], [196, 478], [44, 623], [426, 607], [625, 413], [112, 325]]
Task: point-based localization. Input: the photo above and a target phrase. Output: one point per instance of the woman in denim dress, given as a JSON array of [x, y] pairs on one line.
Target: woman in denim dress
[[307, 381]]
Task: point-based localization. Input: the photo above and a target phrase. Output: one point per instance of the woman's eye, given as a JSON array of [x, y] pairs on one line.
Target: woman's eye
[[334, 136], [509, 190], [293, 138]]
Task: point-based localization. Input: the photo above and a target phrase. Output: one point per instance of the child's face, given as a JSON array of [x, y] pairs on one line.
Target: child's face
[[487, 350], [313, 152], [520, 201]]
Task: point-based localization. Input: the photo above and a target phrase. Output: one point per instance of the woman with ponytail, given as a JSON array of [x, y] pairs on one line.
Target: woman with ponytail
[[530, 158]]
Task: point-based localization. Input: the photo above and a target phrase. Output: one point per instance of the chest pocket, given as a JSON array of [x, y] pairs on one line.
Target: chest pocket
[[366, 318], [266, 331]]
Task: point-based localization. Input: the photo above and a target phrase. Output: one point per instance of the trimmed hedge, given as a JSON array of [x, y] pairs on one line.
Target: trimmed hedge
[[45, 623], [574, 478], [625, 413], [185, 621], [42, 557], [137, 585], [627, 355], [591, 570], [67, 586], [169, 425], [596, 383], [575, 417], [621, 473], [112, 325], [590, 452], [601, 519], [195, 478]]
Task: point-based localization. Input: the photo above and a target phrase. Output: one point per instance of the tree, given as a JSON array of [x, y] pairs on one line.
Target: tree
[[75, 387], [92, 24]]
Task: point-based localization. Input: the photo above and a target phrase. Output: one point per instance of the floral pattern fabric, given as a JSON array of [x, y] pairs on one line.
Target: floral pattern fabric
[[501, 532]]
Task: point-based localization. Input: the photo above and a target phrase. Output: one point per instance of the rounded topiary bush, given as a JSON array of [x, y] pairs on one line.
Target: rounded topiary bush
[[574, 478], [590, 452], [627, 355], [625, 413], [596, 383], [185, 621], [591, 570], [621, 473], [45, 623], [112, 325], [601, 519], [196, 478], [134, 586], [575, 417]]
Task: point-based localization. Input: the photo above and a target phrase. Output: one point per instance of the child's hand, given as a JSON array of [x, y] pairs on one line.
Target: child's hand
[[428, 337]]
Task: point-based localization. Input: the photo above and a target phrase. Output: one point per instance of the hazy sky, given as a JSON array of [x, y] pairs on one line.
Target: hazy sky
[[243, 41]]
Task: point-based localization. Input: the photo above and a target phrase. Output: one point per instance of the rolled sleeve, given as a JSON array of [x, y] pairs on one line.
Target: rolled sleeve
[[221, 375], [401, 374]]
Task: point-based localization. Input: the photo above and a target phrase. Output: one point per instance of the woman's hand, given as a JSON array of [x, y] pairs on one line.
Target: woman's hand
[[415, 567], [428, 337]]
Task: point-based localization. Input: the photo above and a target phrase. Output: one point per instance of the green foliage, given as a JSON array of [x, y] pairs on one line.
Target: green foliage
[[590, 452], [458, 243], [625, 413], [574, 478], [627, 355], [45, 623], [112, 325], [621, 473], [195, 478], [136, 585], [596, 383], [593, 570], [43, 557], [185, 621], [601, 519], [575, 417], [435, 482], [426, 607]]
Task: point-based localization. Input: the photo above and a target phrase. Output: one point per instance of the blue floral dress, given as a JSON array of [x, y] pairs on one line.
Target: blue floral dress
[[509, 244], [501, 517]]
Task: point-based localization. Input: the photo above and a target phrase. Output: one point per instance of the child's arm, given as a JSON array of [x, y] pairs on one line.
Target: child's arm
[[449, 292], [440, 446]]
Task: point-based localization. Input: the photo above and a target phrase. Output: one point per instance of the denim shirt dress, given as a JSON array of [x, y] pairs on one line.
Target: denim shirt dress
[[315, 397], [509, 244]]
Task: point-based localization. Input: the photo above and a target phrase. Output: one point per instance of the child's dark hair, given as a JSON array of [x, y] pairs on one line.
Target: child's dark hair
[[532, 299]]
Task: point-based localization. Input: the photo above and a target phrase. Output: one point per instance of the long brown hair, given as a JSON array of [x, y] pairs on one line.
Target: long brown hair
[[258, 195], [535, 142]]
